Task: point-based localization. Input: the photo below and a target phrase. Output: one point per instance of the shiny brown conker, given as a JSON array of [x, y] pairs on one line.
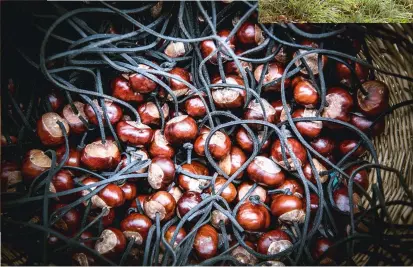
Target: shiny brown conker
[[160, 202], [136, 226], [75, 123], [253, 217], [161, 172], [133, 133], [233, 161], [376, 101], [180, 129], [101, 156], [206, 242], [288, 208], [264, 171], [113, 111], [49, 131], [273, 242]]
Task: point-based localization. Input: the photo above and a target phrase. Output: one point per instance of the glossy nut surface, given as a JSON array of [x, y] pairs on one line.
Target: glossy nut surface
[[345, 146], [63, 181], [34, 163], [133, 133], [250, 34], [288, 208], [253, 217], [365, 124], [230, 191], [254, 111], [160, 146], [340, 102], [73, 159], [180, 129], [75, 123], [206, 242], [361, 177], [161, 172], [170, 233], [191, 184], [320, 246], [265, 172], [342, 201], [187, 202], [305, 94], [129, 191], [178, 87], [259, 191], [113, 111], [107, 219], [112, 196], [49, 131], [136, 226], [160, 202], [219, 144], [324, 145], [345, 76], [70, 222], [293, 186], [273, 242], [141, 83], [101, 156], [228, 97], [121, 89], [233, 161], [194, 106], [308, 171], [274, 72], [150, 115], [296, 147], [377, 99], [208, 46], [309, 129], [244, 140]]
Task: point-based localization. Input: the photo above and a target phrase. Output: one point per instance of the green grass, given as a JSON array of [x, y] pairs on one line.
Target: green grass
[[337, 11]]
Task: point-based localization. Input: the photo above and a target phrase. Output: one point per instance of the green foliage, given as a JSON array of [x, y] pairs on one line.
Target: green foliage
[[337, 11]]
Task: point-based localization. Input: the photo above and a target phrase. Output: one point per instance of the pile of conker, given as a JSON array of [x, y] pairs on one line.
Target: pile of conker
[[174, 160]]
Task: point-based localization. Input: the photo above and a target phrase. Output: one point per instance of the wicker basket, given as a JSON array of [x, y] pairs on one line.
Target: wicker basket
[[395, 146]]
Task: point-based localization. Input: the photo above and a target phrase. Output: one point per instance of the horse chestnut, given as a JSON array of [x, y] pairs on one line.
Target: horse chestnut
[[259, 191], [288, 208], [228, 97], [149, 113], [229, 193], [187, 202], [254, 111], [141, 83], [245, 141], [160, 146], [264, 171], [161, 172], [376, 101], [310, 59], [296, 147], [219, 144], [308, 172], [113, 111], [101, 156], [194, 106], [112, 243], [75, 123], [181, 129], [305, 94], [49, 131], [250, 34], [273, 242], [274, 72], [324, 145], [208, 46], [136, 226], [206, 242], [160, 202], [133, 133], [34, 163], [233, 161], [253, 217], [310, 129], [121, 89], [178, 87], [191, 184], [340, 102]]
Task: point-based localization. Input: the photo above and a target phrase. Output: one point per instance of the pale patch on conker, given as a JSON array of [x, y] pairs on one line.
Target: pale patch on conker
[[267, 165], [311, 60], [176, 193], [98, 202], [216, 217], [50, 120], [258, 191], [196, 184], [80, 259], [175, 49], [139, 154], [152, 207], [160, 139], [311, 113], [156, 9], [152, 110], [70, 115], [283, 114], [255, 106], [155, 176], [14, 177], [177, 93], [279, 246], [217, 139], [100, 150], [107, 242], [320, 168], [293, 216], [335, 106], [52, 189], [138, 125], [134, 236], [177, 119], [243, 256], [259, 36], [225, 95], [39, 158]]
